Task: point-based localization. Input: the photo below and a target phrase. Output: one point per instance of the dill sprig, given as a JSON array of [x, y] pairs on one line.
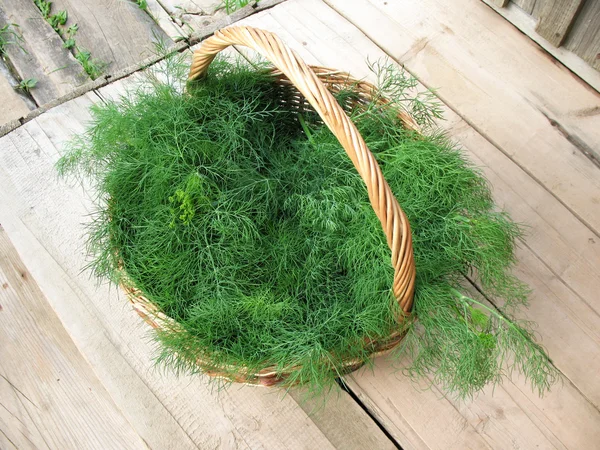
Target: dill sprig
[[249, 226]]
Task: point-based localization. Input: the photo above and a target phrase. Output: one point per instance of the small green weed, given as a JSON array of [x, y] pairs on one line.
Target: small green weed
[[93, 67], [233, 5], [57, 20], [44, 6], [27, 84], [70, 41], [9, 36], [142, 4]]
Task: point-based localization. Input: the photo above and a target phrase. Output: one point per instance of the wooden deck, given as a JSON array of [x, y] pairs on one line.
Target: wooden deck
[[76, 366]]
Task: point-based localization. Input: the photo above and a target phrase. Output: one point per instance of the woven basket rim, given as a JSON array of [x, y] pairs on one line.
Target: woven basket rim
[[312, 85]]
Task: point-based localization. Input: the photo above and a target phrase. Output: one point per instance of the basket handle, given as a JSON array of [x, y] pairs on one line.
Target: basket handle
[[392, 217]]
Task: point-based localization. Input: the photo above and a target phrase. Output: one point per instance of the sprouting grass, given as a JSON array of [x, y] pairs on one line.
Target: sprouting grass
[[263, 246], [9, 36]]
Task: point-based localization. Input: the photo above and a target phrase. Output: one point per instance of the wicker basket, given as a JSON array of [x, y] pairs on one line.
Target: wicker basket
[[308, 88]]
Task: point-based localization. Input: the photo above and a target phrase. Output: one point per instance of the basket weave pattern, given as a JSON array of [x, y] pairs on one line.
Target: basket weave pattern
[[311, 87]]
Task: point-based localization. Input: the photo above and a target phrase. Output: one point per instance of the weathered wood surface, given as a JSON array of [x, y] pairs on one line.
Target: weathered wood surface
[[13, 106], [556, 18], [556, 260], [525, 5], [548, 115], [40, 53], [43, 216], [177, 8], [526, 23], [584, 38], [164, 20], [560, 260], [49, 396], [116, 32]]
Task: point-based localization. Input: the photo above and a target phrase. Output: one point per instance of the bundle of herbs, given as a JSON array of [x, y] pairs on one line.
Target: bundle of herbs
[[246, 223]]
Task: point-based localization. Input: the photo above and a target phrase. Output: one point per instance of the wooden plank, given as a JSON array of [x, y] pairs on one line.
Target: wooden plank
[[584, 38], [177, 8], [525, 5], [537, 8], [512, 416], [526, 24], [550, 113], [118, 33], [501, 3], [40, 53], [164, 20], [13, 106], [184, 411], [51, 398], [556, 18]]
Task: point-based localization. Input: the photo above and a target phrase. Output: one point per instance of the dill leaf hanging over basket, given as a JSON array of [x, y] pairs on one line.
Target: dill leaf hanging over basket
[[259, 220]]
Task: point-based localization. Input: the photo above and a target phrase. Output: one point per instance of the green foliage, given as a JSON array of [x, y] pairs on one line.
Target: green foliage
[[92, 66], [9, 36], [233, 5], [253, 231], [69, 43], [400, 88], [44, 7], [142, 4], [69, 37], [57, 20], [27, 84]]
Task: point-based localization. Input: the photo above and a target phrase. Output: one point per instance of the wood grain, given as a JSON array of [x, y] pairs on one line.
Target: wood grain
[[13, 106], [584, 38], [116, 32], [525, 5], [50, 396], [556, 19], [526, 24], [40, 53], [164, 20]]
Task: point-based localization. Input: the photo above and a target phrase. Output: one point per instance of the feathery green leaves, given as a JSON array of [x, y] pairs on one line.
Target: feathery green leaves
[[249, 226]]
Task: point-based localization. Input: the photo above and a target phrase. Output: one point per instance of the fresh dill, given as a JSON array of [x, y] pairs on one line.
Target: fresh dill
[[253, 231]]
